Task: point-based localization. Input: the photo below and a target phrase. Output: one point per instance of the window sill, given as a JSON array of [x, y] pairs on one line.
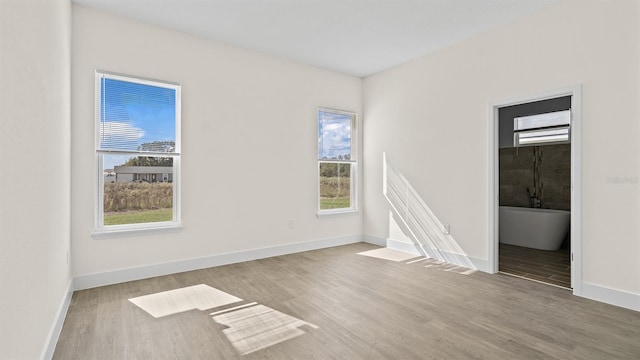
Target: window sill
[[120, 233], [322, 214]]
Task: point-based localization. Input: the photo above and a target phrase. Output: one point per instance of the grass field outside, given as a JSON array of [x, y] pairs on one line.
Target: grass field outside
[[335, 203], [335, 192], [127, 196], [137, 202], [138, 216]]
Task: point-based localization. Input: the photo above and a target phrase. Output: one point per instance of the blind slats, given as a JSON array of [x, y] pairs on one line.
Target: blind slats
[[136, 116]]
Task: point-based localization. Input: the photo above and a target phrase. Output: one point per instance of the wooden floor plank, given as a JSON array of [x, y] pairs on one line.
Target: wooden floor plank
[[553, 267], [362, 308]]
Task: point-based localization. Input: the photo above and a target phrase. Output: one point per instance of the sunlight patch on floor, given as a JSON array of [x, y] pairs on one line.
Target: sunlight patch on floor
[[171, 302], [257, 327], [445, 266], [409, 259], [388, 254], [250, 327]]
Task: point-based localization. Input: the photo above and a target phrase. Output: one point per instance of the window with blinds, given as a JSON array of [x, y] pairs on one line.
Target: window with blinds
[[137, 152], [337, 161]]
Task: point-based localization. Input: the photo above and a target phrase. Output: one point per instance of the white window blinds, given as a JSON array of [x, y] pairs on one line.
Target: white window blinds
[[136, 115]]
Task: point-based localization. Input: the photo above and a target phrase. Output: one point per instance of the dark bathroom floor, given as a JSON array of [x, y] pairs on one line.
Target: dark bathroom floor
[[553, 267]]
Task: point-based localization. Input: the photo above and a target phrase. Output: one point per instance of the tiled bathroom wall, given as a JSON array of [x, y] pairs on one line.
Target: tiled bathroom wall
[[544, 170]]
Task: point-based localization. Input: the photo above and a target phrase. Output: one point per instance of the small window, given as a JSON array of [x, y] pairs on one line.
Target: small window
[[548, 128], [337, 161], [137, 152]]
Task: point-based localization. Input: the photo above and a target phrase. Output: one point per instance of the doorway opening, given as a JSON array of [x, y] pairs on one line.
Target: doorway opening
[[535, 188]]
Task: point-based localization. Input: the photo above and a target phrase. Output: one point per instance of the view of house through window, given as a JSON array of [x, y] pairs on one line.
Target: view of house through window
[[138, 151], [336, 160]]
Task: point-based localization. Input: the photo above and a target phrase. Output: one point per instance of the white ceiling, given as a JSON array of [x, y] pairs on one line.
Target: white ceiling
[[357, 37]]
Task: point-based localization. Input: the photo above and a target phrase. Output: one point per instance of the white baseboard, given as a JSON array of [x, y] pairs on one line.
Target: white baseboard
[[403, 246], [590, 291], [56, 327], [82, 282], [450, 257], [371, 239], [610, 296]]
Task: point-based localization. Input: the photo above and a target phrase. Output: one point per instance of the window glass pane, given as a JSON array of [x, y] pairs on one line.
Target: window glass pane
[[136, 117], [334, 136], [335, 185], [137, 189]]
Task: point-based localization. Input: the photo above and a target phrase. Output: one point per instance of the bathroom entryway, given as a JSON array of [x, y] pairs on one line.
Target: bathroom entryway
[[548, 266], [533, 184]]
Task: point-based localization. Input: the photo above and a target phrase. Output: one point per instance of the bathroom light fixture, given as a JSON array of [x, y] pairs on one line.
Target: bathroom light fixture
[[543, 136], [553, 127]]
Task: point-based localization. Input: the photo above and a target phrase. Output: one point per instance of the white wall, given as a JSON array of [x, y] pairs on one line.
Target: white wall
[[249, 135], [430, 117], [35, 38]]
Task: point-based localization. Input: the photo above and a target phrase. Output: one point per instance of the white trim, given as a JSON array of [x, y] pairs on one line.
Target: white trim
[[576, 177], [404, 246], [452, 258], [372, 239], [494, 189], [140, 79], [336, 212], [611, 296], [336, 111], [123, 275], [127, 232], [576, 190], [110, 231], [353, 160], [56, 327]]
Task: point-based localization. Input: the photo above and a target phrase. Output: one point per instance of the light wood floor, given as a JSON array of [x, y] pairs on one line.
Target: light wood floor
[[553, 267], [357, 307]]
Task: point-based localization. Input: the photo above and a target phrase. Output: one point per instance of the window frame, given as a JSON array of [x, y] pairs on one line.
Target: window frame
[[353, 162], [106, 231]]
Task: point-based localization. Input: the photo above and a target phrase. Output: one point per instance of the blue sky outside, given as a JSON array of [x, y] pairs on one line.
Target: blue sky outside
[[133, 114], [334, 135]]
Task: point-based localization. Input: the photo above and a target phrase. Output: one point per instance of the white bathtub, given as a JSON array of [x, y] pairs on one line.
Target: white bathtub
[[542, 229]]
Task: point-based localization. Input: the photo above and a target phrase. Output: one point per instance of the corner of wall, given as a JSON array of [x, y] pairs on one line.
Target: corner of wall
[[56, 327]]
